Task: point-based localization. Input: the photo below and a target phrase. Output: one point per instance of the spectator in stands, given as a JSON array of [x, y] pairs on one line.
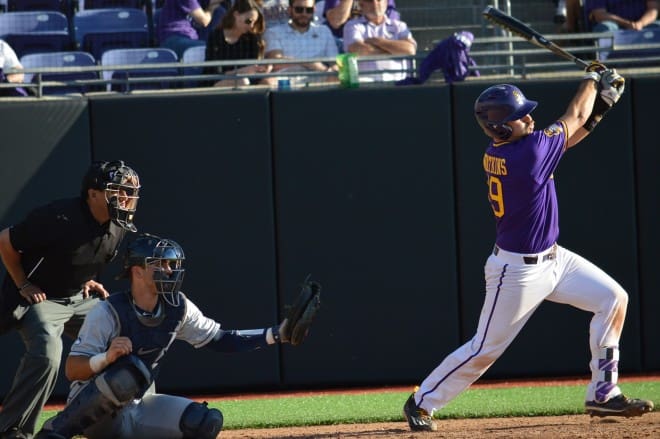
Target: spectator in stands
[[275, 12], [374, 33], [612, 15], [238, 37], [338, 12], [175, 23], [301, 38], [9, 60], [569, 15]]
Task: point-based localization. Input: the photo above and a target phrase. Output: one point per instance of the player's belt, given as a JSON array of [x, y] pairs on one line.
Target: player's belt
[[516, 258]]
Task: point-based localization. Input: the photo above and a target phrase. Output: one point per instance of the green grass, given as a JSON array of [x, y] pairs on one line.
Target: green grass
[[387, 406]]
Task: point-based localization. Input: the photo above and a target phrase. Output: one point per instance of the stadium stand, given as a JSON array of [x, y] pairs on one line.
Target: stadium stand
[[631, 44], [134, 57], [495, 51], [193, 55], [35, 31], [98, 30], [59, 60]]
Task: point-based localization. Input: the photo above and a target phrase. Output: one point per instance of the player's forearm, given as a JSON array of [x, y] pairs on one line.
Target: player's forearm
[[78, 368], [241, 341], [579, 110]]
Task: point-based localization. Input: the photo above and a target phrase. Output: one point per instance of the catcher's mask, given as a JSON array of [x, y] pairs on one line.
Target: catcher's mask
[[165, 257], [498, 105], [120, 185]]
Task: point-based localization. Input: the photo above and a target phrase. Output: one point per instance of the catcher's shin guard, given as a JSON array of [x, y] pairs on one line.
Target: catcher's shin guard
[[200, 422], [121, 382]]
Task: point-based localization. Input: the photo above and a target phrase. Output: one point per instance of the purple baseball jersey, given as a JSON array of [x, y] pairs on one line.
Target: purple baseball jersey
[[521, 189], [630, 10]]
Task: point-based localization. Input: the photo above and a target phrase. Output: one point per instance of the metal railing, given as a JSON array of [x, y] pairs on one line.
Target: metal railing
[[504, 56]]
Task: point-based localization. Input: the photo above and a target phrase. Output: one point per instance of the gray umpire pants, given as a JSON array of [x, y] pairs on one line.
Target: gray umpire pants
[[41, 330]]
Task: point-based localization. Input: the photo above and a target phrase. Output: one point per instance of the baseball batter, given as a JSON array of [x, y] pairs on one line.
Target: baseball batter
[[115, 360], [527, 265]]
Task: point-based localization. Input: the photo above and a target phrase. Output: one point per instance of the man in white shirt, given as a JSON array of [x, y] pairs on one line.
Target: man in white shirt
[[9, 60], [302, 39], [374, 33]]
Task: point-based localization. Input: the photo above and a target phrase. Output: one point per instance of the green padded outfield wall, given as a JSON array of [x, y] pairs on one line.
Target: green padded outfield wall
[[595, 186], [647, 161], [205, 166], [45, 151], [364, 202]]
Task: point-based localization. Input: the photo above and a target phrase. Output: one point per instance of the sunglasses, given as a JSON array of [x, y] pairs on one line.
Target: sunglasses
[[301, 9]]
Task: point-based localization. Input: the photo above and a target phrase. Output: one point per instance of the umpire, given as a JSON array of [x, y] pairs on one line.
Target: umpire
[[53, 259]]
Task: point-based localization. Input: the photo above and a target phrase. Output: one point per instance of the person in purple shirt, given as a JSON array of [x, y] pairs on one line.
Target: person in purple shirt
[[527, 265], [612, 15], [175, 23]]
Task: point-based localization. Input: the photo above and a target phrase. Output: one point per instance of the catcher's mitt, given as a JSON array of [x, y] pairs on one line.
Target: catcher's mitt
[[302, 312]]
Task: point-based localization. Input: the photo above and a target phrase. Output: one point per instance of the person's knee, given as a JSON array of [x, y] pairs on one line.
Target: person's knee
[[198, 421], [620, 299], [605, 26]]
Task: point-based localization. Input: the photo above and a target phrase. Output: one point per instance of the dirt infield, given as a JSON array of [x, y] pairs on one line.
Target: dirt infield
[[550, 427]]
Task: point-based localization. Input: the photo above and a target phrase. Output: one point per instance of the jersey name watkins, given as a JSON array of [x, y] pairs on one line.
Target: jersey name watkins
[[495, 165]]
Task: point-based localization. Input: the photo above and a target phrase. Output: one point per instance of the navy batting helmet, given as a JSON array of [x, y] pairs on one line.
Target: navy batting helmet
[[500, 104], [160, 253]]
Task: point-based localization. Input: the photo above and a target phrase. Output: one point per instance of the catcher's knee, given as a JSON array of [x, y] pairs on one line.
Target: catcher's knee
[[200, 422]]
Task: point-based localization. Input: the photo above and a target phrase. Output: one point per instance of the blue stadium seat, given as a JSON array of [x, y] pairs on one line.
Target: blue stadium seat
[[624, 38], [109, 4], [35, 31], [193, 55], [38, 5], [57, 60], [32, 21], [128, 57], [98, 30]]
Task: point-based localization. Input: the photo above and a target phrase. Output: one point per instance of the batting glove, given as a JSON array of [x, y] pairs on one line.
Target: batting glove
[[594, 71], [611, 86]]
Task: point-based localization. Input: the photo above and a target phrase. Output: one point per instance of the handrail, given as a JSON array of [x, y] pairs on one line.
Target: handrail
[[517, 63]]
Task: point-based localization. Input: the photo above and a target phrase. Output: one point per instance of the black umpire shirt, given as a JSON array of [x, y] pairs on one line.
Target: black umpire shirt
[[63, 246]]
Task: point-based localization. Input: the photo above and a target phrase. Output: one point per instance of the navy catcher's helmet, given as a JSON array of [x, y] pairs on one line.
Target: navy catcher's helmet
[[165, 256], [121, 185], [500, 104]]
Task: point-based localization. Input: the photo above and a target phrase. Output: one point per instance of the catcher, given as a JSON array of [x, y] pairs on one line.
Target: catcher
[[115, 360]]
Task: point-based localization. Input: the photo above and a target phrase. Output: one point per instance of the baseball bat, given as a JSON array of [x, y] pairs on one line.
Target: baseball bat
[[519, 28]]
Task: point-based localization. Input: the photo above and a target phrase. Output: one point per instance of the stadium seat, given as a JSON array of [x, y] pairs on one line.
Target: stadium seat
[[193, 55], [98, 30], [38, 5], [623, 38], [35, 31], [109, 4], [128, 57], [57, 60], [22, 22]]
